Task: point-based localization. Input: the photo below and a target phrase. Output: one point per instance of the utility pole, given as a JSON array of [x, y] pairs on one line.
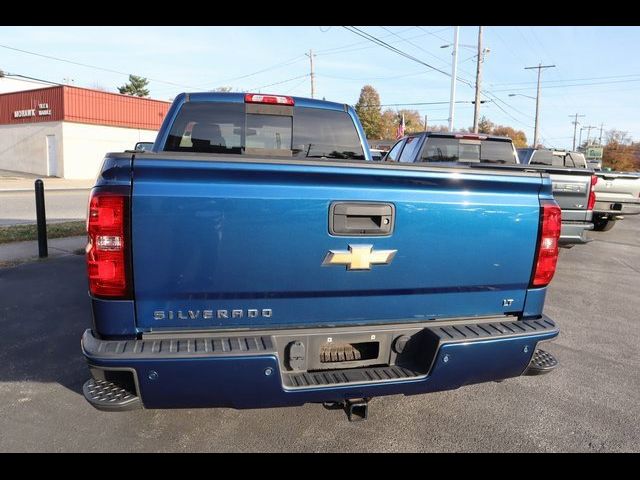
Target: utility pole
[[476, 109], [454, 73], [313, 84], [425, 122], [535, 130], [600, 141], [589, 128], [575, 126]]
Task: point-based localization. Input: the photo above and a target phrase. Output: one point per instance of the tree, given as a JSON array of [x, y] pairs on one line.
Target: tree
[[484, 125], [135, 87], [368, 109], [517, 136], [412, 121], [388, 124], [620, 153], [437, 128], [487, 126]]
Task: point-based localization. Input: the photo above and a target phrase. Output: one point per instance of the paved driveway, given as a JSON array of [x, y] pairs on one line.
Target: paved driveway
[[591, 403]]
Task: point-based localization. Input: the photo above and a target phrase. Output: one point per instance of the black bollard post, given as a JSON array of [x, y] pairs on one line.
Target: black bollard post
[[43, 250]]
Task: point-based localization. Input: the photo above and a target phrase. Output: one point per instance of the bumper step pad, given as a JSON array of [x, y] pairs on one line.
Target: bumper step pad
[[541, 362], [105, 395]]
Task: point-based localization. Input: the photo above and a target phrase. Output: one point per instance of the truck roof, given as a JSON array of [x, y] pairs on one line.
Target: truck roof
[[238, 97], [479, 136]]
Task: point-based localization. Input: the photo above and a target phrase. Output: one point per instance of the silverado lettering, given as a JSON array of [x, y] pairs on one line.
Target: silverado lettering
[[209, 314]]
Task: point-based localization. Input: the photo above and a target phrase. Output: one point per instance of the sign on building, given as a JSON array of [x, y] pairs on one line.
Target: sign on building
[[594, 153]]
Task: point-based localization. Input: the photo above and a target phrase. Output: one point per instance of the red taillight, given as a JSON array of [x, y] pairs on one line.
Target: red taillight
[[592, 194], [274, 99], [547, 256], [107, 247]]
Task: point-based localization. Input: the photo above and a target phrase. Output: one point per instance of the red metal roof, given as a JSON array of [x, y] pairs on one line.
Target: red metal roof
[[81, 105]]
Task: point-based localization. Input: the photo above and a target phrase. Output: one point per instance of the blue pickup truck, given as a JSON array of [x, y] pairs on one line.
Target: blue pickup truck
[[258, 257]]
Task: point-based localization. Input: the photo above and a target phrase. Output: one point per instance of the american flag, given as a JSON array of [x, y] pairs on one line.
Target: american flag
[[400, 130]]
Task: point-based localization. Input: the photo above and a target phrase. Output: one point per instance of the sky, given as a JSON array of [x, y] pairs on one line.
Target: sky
[[596, 74]]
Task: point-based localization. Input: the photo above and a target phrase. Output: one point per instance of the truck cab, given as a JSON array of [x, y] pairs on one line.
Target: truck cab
[[258, 257]]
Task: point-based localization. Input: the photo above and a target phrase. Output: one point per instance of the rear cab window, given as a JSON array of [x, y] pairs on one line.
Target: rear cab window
[[442, 149], [237, 128], [546, 157]]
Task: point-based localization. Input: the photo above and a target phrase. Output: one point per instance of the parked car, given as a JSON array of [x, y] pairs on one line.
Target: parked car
[[267, 261], [571, 188]]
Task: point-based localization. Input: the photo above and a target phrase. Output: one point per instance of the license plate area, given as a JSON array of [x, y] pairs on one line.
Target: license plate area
[[349, 352]]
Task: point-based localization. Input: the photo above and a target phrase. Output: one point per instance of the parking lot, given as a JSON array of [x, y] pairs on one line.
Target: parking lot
[[591, 403]]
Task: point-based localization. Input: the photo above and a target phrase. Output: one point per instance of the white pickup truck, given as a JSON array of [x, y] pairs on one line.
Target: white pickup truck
[[617, 194]]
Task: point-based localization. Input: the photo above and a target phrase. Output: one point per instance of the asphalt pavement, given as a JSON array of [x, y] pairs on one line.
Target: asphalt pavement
[[591, 403]]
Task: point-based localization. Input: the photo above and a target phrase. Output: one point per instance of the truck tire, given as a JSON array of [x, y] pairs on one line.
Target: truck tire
[[603, 224]]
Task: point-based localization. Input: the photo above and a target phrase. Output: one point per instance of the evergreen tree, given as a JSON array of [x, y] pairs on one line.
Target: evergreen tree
[[135, 87]]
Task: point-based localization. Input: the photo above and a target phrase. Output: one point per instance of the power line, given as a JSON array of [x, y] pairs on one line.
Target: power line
[[348, 48], [376, 40], [567, 80], [328, 51], [89, 66], [416, 45], [272, 67], [420, 103], [570, 85], [278, 83]]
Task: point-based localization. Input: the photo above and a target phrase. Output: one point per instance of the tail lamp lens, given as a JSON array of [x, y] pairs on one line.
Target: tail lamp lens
[[592, 194], [547, 255], [107, 247]]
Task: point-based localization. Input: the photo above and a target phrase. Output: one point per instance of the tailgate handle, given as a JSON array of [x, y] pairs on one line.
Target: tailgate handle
[[361, 219]]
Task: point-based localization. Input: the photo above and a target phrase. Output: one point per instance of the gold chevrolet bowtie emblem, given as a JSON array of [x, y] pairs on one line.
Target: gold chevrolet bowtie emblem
[[359, 257]]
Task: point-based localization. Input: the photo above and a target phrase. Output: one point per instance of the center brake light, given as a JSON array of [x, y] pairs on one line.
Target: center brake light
[[107, 257], [272, 99], [473, 136], [592, 195], [547, 254]]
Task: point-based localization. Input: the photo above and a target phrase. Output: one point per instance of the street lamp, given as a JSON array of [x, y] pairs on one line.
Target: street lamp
[[460, 45], [521, 95]]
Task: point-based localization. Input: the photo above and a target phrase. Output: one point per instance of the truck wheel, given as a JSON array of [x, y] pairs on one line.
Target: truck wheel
[[603, 224]]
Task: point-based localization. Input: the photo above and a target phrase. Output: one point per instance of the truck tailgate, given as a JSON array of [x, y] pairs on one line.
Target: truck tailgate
[[621, 187], [241, 244]]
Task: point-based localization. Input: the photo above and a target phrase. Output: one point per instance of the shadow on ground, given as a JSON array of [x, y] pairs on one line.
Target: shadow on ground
[[40, 338]]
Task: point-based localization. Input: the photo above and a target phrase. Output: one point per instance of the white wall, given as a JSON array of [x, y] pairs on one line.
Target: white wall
[[13, 84], [80, 147], [23, 147], [86, 145]]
